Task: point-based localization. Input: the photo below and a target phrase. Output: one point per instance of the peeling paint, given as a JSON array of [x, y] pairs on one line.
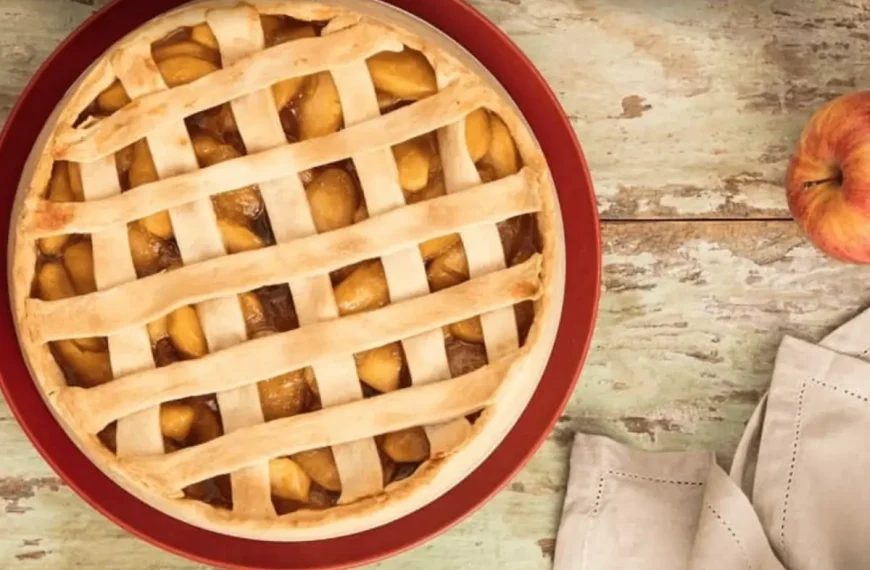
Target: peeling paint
[[633, 107], [649, 427], [711, 356], [547, 546], [15, 489], [35, 555], [748, 396]]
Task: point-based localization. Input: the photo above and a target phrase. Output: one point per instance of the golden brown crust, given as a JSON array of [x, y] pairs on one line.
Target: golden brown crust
[[44, 218], [435, 476], [87, 143], [141, 301], [404, 269], [93, 408], [428, 404]]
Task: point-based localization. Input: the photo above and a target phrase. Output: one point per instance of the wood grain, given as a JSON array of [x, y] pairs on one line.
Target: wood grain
[[690, 109], [686, 111]]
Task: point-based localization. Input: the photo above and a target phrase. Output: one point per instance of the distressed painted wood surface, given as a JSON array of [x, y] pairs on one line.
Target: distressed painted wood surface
[[687, 112]]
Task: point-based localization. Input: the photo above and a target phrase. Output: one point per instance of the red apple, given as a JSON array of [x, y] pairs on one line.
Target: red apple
[[828, 179]]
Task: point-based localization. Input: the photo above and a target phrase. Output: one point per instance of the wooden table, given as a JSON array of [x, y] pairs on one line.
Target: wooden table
[[688, 112]]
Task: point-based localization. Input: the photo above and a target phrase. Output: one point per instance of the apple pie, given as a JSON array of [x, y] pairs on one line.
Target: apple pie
[[286, 270]]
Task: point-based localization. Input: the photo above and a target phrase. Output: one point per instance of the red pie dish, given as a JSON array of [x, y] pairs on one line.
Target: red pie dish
[[293, 284]]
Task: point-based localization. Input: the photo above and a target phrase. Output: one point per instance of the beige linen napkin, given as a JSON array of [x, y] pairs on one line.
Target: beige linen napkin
[[810, 487], [852, 339], [625, 507], [729, 536], [796, 486], [832, 419], [640, 510]]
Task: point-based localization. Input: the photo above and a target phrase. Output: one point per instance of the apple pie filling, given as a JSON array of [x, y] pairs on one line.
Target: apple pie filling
[[308, 107]]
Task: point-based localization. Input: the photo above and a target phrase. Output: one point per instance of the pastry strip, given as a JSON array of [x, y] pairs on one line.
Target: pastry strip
[[483, 248], [199, 238], [129, 349], [358, 462], [44, 218], [259, 71], [146, 299], [429, 403], [276, 354], [404, 270]]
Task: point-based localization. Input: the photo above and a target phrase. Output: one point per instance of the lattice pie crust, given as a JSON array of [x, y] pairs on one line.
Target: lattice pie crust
[[115, 318]]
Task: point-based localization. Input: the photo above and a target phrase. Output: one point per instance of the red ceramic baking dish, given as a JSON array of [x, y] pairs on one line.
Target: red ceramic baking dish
[[570, 174]]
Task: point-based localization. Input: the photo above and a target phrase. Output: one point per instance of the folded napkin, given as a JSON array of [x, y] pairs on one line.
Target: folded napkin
[[643, 510], [625, 508], [795, 497]]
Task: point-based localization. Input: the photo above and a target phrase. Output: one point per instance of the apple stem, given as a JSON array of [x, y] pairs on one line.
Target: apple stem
[[838, 179]]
